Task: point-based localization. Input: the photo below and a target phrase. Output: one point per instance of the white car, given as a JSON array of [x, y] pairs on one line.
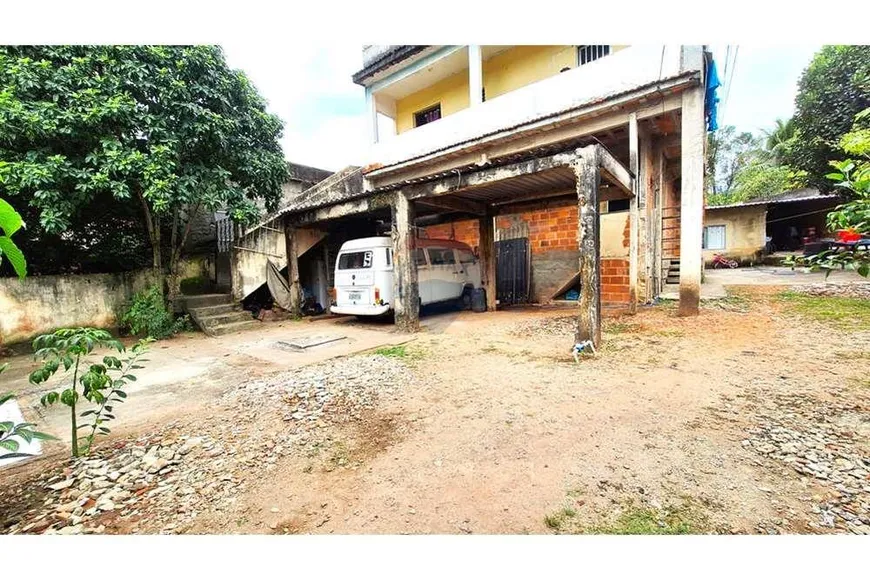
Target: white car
[[446, 271]]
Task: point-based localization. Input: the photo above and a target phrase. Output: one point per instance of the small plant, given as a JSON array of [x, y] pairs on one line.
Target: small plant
[[9, 430], [398, 351], [148, 316], [10, 222], [101, 384]]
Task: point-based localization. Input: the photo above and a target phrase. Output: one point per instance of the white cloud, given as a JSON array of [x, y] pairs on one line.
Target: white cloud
[[310, 88]]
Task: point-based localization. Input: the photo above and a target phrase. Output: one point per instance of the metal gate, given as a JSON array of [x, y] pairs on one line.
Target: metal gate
[[512, 271]]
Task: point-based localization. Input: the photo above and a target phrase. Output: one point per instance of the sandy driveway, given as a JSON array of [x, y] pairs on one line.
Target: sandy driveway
[[490, 427], [186, 372]]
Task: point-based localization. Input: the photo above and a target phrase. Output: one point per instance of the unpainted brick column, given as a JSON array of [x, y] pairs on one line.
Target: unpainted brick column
[[691, 200], [487, 259], [406, 292], [290, 240], [588, 240]]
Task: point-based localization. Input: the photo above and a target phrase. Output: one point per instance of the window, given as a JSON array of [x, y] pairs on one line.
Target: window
[[420, 257], [427, 115], [441, 256], [466, 257], [714, 238], [615, 205], [589, 52], [389, 257], [355, 260]]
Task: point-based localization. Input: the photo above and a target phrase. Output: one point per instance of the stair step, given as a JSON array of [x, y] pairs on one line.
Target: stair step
[[222, 329], [216, 309], [202, 300], [225, 318]]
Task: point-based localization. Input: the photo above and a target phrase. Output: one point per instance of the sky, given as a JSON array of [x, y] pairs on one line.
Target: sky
[[310, 88]]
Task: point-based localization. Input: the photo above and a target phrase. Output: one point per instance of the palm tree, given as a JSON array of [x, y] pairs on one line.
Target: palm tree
[[777, 139]]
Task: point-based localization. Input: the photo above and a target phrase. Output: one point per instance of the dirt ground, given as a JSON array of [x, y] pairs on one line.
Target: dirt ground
[[493, 428]]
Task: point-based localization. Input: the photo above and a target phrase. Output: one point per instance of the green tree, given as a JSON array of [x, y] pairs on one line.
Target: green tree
[[832, 90], [727, 152], [171, 129], [779, 139]]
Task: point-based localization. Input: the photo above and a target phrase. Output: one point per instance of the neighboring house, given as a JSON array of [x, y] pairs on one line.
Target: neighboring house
[[586, 159], [740, 230]]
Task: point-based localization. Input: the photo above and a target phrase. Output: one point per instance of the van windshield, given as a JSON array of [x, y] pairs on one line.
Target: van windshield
[[355, 260]]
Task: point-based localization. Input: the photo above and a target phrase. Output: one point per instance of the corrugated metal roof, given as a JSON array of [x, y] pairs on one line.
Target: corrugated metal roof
[[805, 194]]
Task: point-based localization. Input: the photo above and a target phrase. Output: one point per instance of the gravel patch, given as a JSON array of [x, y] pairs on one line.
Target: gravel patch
[[163, 481], [846, 290], [827, 441]]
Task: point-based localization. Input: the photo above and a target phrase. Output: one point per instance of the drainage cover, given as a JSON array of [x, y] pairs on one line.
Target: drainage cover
[[303, 343]]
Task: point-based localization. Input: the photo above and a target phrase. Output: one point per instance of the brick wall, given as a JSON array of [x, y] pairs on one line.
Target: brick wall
[[553, 243], [465, 231], [614, 282]]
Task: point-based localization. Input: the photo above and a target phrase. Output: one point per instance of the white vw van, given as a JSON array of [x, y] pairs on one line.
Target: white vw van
[[446, 270]]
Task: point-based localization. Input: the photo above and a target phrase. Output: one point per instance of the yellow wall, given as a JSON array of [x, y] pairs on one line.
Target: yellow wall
[[451, 92], [507, 71], [522, 65], [745, 230]]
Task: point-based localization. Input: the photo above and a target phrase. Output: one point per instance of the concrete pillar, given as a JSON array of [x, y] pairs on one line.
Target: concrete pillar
[[691, 200], [475, 74], [588, 239], [372, 107], [647, 208], [486, 228], [634, 167], [406, 292], [290, 242]]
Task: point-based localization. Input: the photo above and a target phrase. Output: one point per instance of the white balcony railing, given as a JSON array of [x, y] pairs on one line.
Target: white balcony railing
[[627, 69]]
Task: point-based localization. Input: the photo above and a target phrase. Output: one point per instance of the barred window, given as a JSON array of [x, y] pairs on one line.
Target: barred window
[[589, 52]]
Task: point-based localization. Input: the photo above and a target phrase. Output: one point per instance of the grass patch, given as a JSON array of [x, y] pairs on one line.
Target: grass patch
[[398, 351], [669, 332], [560, 519], [840, 311], [620, 327], [647, 521]]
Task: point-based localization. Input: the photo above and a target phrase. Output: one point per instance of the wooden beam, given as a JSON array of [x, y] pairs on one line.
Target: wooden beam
[[616, 172], [454, 204], [588, 238], [634, 166], [406, 292], [290, 240], [486, 252]]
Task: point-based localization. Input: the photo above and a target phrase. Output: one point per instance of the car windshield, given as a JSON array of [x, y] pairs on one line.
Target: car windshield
[[355, 260]]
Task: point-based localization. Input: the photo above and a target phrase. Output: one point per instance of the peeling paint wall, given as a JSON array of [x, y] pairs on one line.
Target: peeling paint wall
[[41, 304]]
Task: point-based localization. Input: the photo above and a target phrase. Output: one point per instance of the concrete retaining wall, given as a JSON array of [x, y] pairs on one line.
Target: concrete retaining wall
[[41, 304]]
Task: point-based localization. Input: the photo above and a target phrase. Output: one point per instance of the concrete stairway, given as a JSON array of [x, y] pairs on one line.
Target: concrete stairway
[[218, 314]]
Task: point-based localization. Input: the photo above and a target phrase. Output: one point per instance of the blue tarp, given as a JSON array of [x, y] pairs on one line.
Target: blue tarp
[[711, 100]]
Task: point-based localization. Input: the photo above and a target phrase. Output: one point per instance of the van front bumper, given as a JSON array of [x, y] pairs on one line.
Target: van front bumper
[[360, 310]]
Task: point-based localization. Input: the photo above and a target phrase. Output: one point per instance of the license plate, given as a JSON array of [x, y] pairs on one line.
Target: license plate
[[354, 295]]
